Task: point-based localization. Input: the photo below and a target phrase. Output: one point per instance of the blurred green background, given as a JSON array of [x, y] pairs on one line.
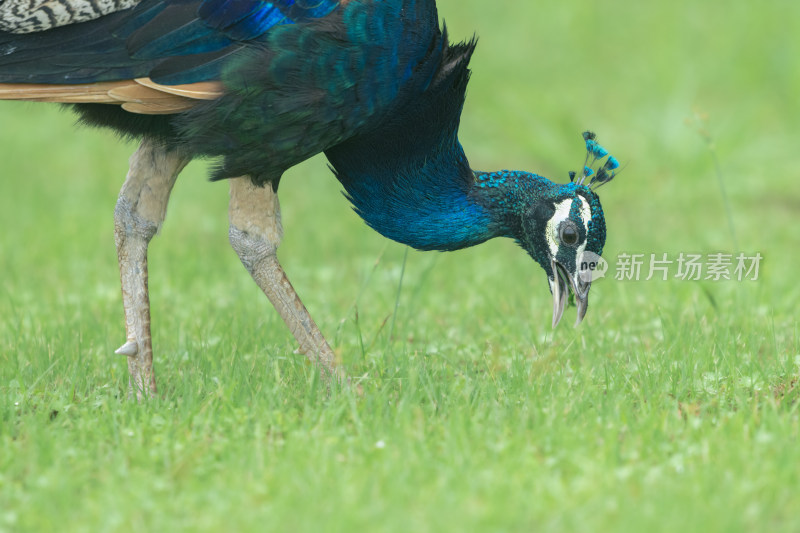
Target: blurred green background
[[673, 406]]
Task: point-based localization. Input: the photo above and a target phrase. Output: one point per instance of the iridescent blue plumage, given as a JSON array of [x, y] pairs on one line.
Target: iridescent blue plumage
[[179, 40], [243, 20]]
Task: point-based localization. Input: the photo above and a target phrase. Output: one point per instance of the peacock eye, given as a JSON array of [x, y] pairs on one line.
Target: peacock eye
[[568, 234]]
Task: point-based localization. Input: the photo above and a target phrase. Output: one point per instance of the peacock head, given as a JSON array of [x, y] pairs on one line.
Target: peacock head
[[563, 228]]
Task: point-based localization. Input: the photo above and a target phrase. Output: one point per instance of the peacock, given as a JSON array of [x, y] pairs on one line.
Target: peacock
[[260, 86]]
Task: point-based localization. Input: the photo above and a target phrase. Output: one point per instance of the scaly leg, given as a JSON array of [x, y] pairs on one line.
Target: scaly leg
[[140, 211], [255, 233]]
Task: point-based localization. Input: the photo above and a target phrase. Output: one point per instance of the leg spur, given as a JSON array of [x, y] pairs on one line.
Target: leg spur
[[140, 211]]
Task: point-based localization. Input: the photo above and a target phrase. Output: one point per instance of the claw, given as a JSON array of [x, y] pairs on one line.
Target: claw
[[129, 349]]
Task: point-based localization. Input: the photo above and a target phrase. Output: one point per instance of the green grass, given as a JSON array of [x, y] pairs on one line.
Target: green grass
[[674, 407]]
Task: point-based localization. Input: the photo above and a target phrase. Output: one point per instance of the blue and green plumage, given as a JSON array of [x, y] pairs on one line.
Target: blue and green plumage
[[375, 85]]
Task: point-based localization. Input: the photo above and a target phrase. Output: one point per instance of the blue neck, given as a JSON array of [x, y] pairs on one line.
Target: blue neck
[[406, 174], [429, 206]]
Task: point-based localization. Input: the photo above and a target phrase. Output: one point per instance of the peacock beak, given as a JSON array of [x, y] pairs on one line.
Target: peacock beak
[[560, 285]]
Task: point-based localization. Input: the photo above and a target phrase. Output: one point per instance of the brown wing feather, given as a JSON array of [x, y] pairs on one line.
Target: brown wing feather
[[89, 93], [204, 90], [157, 108], [141, 96]]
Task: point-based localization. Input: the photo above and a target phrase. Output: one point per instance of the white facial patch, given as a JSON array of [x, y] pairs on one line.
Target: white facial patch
[[561, 214], [586, 216], [586, 212]]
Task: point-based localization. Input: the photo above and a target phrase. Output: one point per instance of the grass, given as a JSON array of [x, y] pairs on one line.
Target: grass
[[673, 407]]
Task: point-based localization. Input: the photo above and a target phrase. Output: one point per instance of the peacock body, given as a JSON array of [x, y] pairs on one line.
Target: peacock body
[[261, 86]]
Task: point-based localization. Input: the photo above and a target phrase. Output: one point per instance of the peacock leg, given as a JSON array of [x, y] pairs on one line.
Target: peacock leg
[[140, 211], [255, 233]]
